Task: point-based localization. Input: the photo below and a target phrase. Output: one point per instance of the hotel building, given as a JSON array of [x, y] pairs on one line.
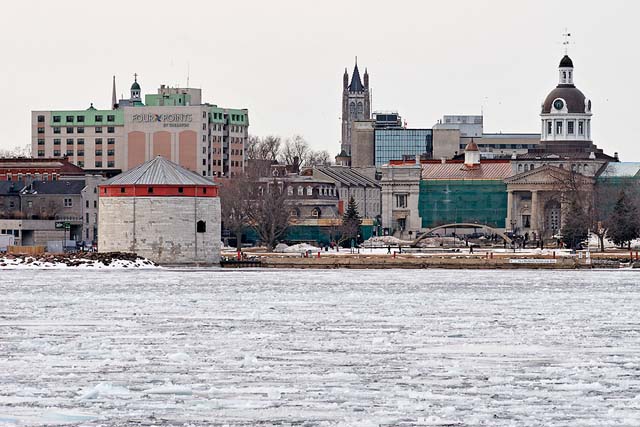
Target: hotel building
[[173, 123]]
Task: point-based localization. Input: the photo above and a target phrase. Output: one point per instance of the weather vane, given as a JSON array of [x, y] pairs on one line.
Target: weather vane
[[566, 41]]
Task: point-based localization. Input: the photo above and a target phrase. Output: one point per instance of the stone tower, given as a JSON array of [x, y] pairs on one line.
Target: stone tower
[[356, 104]]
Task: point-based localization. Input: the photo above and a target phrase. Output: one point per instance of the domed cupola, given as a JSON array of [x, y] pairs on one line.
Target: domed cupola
[[135, 89], [566, 111]]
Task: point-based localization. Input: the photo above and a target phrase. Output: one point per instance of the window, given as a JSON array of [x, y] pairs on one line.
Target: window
[[570, 125], [68, 202], [70, 152], [40, 119], [87, 217], [81, 163], [98, 129], [201, 227], [300, 191], [99, 118], [98, 152], [315, 212], [30, 204], [80, 152], [150, 190], [526, 221], [558, 127], [56, 153], [40, 130], [40, 153], [111, 164], [111, 129], [40, 141], [80, 119], [309, 191], [289, 191], [180, 190], [69, 130], [98, 141], [111, 152], [520, 167], [98, 163], [56, 119], [580, 127], [80, 130], [56, 130], [401, 201], [69, 119], [111, 118], [86, 203], [122, 189], [111, 141], [56, 141], [95, 203], [80, 141]]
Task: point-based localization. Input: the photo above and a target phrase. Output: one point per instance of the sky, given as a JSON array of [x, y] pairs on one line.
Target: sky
[[284, 60]]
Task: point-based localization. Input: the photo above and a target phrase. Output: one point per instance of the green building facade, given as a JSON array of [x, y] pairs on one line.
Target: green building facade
[[448, 201]]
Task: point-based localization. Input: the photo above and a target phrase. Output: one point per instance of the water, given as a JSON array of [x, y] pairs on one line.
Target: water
[[320, 348]]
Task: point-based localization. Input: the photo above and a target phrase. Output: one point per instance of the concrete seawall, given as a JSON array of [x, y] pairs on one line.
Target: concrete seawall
[[383, 262]]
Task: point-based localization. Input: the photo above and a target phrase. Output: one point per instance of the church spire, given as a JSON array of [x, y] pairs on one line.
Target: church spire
[[114, 100], [366, 78], [356, 83]]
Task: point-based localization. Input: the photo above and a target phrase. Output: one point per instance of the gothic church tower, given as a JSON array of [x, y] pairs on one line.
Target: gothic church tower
[[356, 104]]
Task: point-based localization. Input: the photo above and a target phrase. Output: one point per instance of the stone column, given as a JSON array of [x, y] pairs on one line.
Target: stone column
[[507, 224], [534, 211]]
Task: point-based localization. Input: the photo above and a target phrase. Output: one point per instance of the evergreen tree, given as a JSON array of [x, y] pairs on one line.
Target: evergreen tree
[[351, 222], [576, 226], [624, 224]]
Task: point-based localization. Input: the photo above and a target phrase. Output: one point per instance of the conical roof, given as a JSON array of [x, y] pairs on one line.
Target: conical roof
[[356, 84], [159, 171]]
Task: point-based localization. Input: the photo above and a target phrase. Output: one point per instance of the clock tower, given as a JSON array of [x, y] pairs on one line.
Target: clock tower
[[566, 112]]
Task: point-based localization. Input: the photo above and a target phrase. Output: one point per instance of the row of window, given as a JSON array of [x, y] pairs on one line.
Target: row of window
[[98, 129], [79, 141], [570, 128], [322, 191], [78, 119], [575, 167], [37, 176], [504, 146]]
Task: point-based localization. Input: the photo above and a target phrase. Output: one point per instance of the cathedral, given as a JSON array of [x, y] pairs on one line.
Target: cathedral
[[356, 104]]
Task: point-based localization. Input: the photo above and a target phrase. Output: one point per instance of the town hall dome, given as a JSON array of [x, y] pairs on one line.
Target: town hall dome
[[566, 98]]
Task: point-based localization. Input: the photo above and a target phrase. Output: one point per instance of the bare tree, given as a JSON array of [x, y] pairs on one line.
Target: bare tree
[[269, 213], [319, 158], [295, 148], [267, 148], [235, 207]]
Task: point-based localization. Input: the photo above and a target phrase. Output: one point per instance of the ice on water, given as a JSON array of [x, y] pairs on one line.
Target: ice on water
[[319, 348]]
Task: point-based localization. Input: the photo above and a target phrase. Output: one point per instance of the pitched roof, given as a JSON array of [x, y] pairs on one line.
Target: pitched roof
[[159, 171], [9, 188], [347, 176], [356, 84], [67, 186], [621, 169], [487, 170]]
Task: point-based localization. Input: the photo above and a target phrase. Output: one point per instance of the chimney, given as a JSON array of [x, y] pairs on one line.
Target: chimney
[[615, 156]]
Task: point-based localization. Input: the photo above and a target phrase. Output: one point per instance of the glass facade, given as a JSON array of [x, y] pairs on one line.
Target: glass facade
[[454, 201], [394, 144]]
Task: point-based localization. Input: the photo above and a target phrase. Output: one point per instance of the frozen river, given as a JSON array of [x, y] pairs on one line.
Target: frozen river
[[320, 348]]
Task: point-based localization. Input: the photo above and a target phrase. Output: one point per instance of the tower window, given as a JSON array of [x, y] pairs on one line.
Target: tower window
[[570, 125], [201, 227], [558, 127]]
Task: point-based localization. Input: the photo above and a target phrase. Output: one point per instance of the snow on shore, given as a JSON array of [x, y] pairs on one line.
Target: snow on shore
[[87, 261]]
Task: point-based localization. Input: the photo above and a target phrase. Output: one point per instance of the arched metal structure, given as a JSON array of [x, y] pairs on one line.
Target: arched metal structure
[[461, 224]]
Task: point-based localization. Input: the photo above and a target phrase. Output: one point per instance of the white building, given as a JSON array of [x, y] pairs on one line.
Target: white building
[[161, 211]]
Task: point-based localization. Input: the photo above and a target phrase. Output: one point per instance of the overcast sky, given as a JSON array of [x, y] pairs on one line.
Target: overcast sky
[[284, 60]]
